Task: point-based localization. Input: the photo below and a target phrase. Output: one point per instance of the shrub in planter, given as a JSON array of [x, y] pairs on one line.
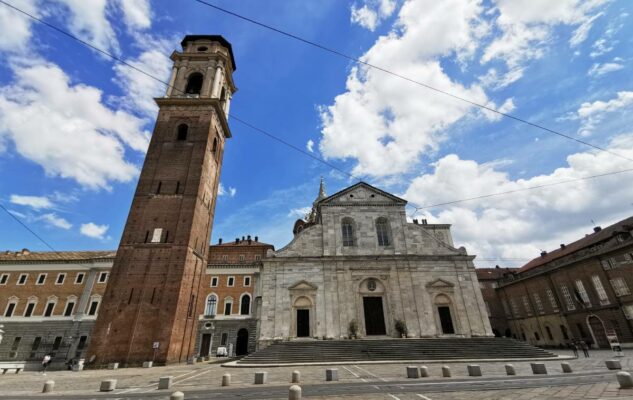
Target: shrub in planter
[[353, 329], [401, 328]]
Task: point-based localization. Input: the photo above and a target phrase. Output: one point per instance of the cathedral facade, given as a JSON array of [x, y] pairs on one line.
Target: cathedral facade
[[356, 267]]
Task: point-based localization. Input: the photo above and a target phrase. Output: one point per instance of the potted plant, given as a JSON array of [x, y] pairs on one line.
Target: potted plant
[[353, 329], [401, 328]]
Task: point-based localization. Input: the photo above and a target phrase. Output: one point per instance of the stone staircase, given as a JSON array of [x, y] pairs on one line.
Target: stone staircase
[[344, 351]]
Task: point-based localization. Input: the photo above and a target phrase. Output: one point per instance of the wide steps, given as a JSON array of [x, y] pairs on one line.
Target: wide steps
[[324, 351]]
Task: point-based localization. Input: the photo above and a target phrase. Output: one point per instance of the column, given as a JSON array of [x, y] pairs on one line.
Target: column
[[207, 81], [172, 80], [215, 92]]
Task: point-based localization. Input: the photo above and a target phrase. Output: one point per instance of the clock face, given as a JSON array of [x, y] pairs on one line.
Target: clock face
[[371, 285]]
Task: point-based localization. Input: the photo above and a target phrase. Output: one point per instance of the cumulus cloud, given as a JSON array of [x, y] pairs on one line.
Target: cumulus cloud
[[598, 69], [35, 202], [310, 146], [56, 221], [386, 123], [66, 128], [222, 191], [372, 12], [301, 212], [16, 28], [520, 225], [89, 21], [137, 14], [93, 230], [592, 113]]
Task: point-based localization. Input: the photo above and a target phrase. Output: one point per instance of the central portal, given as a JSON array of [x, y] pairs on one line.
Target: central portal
[[374, 316], [303, 323]]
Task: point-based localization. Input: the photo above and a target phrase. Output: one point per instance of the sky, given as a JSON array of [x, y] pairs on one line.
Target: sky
[[75, 125]]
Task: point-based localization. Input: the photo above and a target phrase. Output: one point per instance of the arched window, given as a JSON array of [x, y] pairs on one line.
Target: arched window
[[212, 302], [194, 83], [245, 305], [228, 305], [382, 231], [183, 129], [347, 230]]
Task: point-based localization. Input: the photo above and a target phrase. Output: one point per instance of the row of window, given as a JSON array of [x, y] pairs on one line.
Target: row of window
[[383, 232], [37, 344], [612, 263], [41, 278], [212, 303], [576, 295], [241, 257], [230, 281], [49, 310]]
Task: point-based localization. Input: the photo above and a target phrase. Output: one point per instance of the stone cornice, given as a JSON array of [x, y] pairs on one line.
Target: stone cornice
[[197, 101], [370, 258]]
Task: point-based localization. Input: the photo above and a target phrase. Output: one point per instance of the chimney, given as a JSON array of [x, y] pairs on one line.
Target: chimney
[[497, 266], [249, 239], [415, 221], [243, 238], [25, 251], [424, 222], [256, 238], [597, 229], [220, 241], [237, 240], [543, 253], [562, 245]]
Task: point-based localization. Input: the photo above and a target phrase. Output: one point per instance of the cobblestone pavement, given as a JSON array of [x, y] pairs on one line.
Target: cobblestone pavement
[[590, 380]]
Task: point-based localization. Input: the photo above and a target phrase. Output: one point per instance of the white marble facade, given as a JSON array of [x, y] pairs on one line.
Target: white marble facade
[[324, 279]]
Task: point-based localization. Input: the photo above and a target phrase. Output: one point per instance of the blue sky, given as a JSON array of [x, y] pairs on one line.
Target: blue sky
[[74, 126]]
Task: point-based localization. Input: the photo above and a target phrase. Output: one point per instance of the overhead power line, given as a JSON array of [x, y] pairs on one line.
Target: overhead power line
[[406, 78]]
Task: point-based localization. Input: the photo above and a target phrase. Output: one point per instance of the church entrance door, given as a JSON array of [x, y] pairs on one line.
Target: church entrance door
[[446, 320], [374, 316], [303, 323], [241, 346]]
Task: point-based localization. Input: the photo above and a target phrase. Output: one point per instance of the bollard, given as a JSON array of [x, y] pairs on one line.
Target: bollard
[[625, 380], [424, 372], [148, 364], [613, 364], [473, 370], [108, 385], [413, 372], [165, 382], [446, 371], [566, 367], [48, 386], [538, 368], [296, 378], [226, 380], [294, 393], [331, 374], [510, 369], [261, 377], [177, 396], [113, 366]]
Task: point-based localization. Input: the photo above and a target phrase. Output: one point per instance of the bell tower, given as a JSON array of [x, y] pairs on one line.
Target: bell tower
[[149, 308]]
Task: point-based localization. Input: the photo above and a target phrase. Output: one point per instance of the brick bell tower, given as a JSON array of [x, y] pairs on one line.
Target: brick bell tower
[[149, 307]]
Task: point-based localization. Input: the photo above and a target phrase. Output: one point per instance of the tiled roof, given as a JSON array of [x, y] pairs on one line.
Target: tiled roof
[[493, 273], [588, 240], [26, 255]]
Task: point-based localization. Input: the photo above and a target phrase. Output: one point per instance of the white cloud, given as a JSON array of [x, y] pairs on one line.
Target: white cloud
[[372, 13], [16, 28], [591, 114], [137, 14], [89, 21], [520, 225], [301, 212], [93, 230], [310, 146], [581, 33], [385, 122], [66, 128], [598, 69], [35, 202], [55, 220], [222, 191]]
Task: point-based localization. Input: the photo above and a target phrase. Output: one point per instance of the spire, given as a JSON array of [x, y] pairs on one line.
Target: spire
[[322, 194], [312, 216]]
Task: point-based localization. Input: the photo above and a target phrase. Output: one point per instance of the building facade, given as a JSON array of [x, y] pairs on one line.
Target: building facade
[[357, 267], [580, 291]]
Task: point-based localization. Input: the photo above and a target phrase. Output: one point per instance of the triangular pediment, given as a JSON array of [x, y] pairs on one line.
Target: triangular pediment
[[362, 193], [303, 285], [439, 283]]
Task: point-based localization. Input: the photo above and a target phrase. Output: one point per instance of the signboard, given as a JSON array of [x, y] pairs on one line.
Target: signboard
[[614, 342], [155, 345]]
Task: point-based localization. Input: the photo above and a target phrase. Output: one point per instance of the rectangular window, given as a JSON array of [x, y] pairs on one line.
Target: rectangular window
[[225, 257], [60, 278], [29, 309], [620, 287], [608, 264], [258, 257], [628, 311], [10, 309], [41, 279], [4, 278], [103, 277], [22, 279], [227, 308], [538, 302], [515, 308], [157, 235], [602, 294], [69, 309], [584, 296], [93, 308], [79, 279], [526, 305], [230, 281], [225, 338], [552, 300], [242, 257], [247, 281], [49, 309], [36, 343], [348, 234], [57, 343], [16, 343], [569, 301], [82, 342], [214, 281]]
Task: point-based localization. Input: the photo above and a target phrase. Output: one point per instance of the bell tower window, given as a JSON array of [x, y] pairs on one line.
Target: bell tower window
[[194, 83], [183, 129]]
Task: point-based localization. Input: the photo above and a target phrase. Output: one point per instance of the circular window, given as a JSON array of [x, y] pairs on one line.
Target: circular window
[[371, 285], [208, 325], [203, 48]]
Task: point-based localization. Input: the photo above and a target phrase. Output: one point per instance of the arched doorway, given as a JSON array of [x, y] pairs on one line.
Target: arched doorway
[[241, 346], [597, 332]]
